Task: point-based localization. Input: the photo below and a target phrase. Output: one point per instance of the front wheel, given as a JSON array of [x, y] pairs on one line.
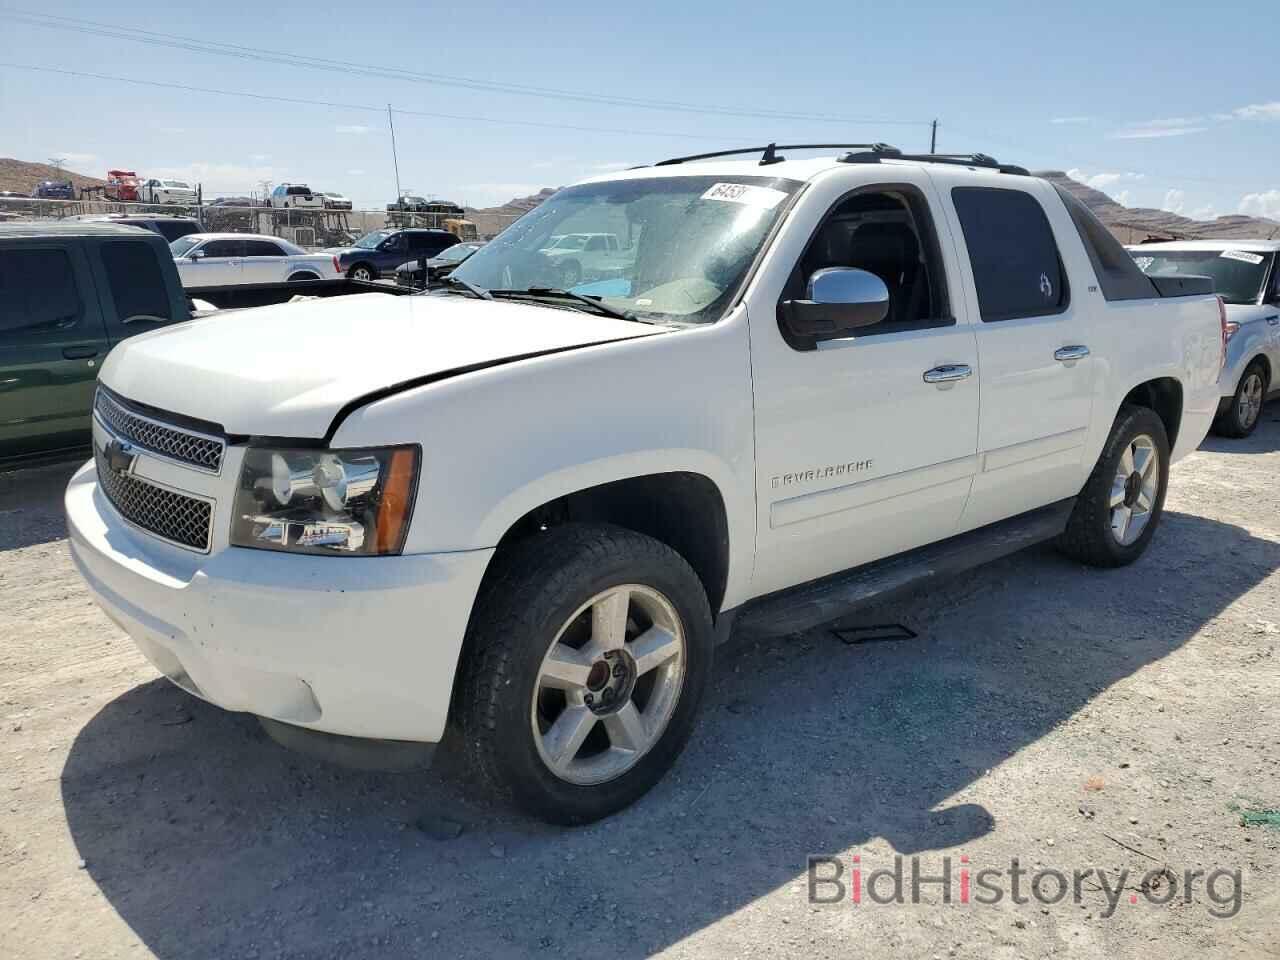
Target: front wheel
[[361, 272], [1241, 418], [1117, 512], [586, 659]]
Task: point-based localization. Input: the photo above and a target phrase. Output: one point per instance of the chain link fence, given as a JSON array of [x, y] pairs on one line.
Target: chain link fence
[[308, 227]]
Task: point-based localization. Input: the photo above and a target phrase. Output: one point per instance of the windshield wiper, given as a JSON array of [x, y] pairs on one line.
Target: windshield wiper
[[558, 293], [457, 284]]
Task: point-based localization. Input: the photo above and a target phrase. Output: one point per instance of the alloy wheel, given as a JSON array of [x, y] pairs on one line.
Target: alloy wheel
[[1134, 489], [608, 685], [1250, 406]]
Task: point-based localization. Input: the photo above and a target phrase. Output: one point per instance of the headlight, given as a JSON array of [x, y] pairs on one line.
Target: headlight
[[345, 502]]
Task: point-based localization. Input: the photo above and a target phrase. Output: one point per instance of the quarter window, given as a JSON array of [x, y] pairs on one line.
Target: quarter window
[[37, 291], [1016, 266]]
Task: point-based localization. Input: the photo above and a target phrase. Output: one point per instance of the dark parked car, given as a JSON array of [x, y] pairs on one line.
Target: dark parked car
[[381, 251], [69, 292], [55, 190], [171, 228], [437, 268]]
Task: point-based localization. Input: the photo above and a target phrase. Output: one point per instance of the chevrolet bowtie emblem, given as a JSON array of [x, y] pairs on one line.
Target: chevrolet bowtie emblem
[[120, 456]]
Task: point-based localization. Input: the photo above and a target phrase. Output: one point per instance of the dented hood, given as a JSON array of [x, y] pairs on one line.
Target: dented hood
[[287, 370]]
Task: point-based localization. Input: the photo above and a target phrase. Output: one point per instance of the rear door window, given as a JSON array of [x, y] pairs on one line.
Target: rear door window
[[1016, 266], [137, 284], [262, 248], [39, 295]]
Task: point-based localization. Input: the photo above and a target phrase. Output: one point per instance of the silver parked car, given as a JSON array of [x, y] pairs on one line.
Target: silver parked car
[[1247, 277]]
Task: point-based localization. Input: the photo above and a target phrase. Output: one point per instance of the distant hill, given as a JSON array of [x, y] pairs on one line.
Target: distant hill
[[492, 220], [22, 177], [1135, 224]]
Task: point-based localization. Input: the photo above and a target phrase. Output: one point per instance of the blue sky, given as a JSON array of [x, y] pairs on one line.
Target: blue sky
[[1148, 103]]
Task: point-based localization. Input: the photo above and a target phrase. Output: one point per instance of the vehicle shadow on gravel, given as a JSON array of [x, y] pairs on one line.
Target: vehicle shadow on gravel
[[211, 841], [31, 504], [1266, 439]]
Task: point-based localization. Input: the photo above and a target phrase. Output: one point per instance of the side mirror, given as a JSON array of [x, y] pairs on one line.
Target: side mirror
[[839, 299], [196, 255]]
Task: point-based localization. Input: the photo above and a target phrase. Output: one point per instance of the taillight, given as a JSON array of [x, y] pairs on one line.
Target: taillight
[[336, 268], [1227, 332]]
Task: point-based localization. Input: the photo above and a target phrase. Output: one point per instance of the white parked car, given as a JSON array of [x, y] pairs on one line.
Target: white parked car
[[167, 191], [335, 201], [208, 261], [296, 195], [1246, 274], [529, 514]]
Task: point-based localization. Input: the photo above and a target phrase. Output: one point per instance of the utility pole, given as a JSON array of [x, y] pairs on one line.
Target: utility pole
[[394, 159], [933, 137], [57, 162]]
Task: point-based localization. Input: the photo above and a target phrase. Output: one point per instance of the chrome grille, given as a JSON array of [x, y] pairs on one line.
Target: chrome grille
[[191, 448], [180, 519]]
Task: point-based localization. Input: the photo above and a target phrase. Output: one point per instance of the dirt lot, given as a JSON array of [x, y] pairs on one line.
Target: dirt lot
[[1066, 717]]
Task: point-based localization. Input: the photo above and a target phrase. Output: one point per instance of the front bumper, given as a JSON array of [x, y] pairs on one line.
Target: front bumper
[[362, 647]]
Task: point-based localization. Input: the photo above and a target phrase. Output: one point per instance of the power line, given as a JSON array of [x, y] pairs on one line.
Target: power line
[[301, 101], [284, 58]]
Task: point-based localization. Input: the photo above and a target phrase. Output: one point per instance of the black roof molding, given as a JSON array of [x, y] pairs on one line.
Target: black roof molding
[[769, 153], [982, 160]]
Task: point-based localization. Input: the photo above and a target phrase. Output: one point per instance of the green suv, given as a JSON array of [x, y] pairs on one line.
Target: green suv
[[69, 292]]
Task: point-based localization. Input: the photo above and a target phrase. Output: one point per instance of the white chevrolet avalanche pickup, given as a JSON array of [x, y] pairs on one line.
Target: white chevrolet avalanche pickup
[[524, 516]]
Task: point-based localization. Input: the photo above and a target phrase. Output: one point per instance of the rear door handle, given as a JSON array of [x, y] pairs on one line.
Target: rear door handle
[[1071, 354], [79, 353], [948, 373]]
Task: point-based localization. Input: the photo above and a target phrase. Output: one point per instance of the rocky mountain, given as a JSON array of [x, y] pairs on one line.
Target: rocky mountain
[[1136, 224], [22, 177]]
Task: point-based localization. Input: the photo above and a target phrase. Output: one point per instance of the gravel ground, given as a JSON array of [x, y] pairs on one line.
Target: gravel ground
[[1070, 718]]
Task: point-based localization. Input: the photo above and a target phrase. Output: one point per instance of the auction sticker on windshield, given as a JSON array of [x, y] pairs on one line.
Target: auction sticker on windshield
[[1242, 256], [765, 197]]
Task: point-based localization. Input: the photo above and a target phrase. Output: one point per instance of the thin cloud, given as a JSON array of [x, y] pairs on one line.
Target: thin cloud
[[355, 128], [1269, 111], [1153, 129], [1071, 121]]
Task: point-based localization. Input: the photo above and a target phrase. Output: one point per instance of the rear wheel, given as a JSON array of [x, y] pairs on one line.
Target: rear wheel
[[1117, 512], [1241, 418], [586, 660], [361, 271]]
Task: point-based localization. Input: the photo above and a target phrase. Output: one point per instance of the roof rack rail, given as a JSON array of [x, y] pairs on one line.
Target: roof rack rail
[[874, 155], [769, 154]]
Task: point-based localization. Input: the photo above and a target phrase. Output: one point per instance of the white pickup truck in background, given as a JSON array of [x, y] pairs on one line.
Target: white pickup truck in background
[[524, 515], [1246, 275]]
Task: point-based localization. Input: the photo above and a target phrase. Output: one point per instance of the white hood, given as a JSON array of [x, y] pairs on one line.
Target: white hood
[[286, 370]]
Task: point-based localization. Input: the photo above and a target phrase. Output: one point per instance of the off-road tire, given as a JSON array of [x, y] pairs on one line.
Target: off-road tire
[[530, 592], [1228, 423], [1088, 536]]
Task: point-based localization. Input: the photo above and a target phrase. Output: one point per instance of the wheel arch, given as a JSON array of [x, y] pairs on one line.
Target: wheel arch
[[1164, 396], [303, 275], [683, 509]]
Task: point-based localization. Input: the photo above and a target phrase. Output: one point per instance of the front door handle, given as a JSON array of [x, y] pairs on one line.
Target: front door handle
[[946, 374], [80, 353], [1071, 354]]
